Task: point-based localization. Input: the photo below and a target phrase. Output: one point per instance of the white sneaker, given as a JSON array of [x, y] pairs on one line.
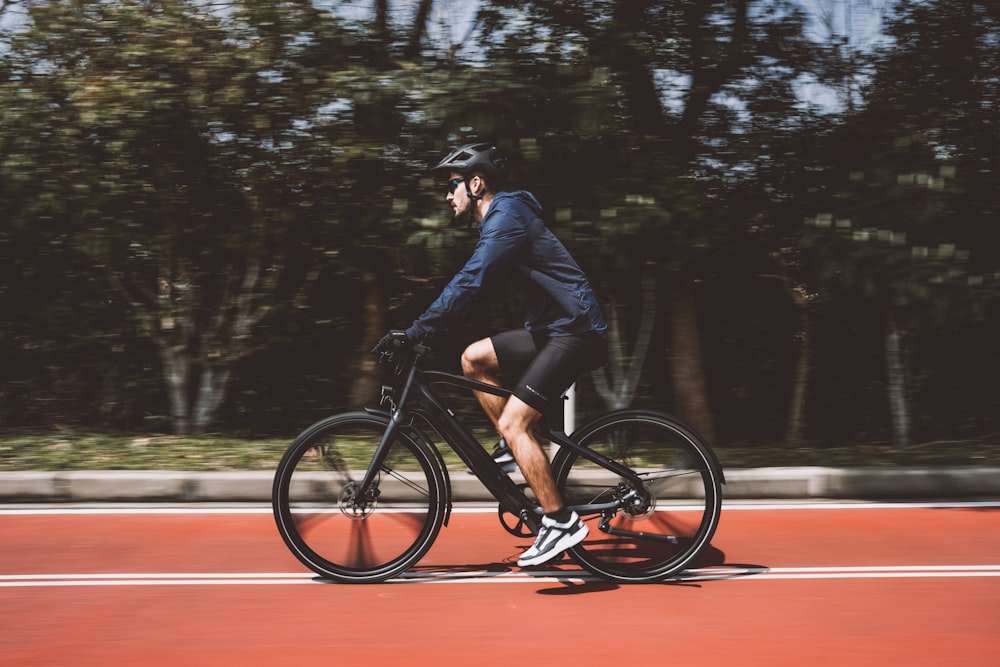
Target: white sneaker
[[505, 458], [553, 539]]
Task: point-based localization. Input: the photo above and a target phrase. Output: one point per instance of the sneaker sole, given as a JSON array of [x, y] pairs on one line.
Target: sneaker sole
[[564, 543]]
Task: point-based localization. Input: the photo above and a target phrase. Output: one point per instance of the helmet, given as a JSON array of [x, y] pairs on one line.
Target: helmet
[[481, 157]]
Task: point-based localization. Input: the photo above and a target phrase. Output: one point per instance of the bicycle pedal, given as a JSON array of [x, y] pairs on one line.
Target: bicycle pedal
[[513, 524]]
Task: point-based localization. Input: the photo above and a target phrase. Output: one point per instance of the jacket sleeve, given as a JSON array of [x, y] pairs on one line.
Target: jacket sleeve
[[499, 242]]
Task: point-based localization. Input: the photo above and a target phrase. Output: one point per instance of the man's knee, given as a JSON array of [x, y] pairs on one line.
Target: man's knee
[[517, 417], [479, 359]]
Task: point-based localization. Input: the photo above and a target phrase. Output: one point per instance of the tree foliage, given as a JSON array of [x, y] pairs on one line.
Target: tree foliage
[[233, 197]]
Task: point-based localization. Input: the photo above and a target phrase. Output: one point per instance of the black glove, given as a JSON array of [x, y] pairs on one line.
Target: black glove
[[392, 342]]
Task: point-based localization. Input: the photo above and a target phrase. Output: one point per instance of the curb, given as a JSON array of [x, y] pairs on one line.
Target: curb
[[808, 482]]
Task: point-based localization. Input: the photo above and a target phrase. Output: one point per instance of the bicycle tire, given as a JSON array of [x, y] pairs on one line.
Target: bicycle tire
[[668, 522], [349, 542]]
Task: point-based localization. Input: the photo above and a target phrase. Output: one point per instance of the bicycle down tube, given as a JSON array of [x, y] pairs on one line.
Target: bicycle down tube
[[464, 444]]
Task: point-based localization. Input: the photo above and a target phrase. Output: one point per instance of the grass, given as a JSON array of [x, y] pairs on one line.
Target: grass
[[93, 451], [70, 450]]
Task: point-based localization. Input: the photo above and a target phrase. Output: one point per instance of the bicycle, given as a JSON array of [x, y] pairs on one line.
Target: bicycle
[[360, 497]]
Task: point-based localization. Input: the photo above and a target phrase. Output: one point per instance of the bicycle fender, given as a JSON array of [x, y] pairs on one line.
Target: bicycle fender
[[420, 437]]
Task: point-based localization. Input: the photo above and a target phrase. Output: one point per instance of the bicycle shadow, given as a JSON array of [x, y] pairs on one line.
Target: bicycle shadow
[[710, 565]]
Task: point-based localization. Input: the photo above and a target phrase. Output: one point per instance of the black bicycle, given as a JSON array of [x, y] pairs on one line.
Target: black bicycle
[[360, 497]]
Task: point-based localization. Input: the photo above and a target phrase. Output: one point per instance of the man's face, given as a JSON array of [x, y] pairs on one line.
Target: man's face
[[459, 199]]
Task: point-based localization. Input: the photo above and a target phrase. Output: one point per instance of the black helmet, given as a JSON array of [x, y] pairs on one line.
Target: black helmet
[[481, 157]]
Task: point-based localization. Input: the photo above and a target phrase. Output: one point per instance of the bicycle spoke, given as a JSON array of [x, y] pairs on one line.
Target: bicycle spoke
[[337, 529], [361, 546], [647, 531]]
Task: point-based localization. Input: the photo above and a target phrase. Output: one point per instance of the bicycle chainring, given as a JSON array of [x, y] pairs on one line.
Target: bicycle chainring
[[514, 524]]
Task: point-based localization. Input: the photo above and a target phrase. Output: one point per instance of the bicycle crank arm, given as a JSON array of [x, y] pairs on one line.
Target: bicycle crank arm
[[606, 527], [518, 529]]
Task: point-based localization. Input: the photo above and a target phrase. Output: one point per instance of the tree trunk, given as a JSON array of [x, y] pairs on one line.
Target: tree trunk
[[195, 389], [199, 342], [381, 27], [417, 31], [367, 380], [211, 393], [688, 376], [795, 428], [899, 410], [617, 382], [177, 375]]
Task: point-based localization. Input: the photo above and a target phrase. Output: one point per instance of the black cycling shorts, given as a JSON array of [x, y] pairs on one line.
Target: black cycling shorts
[[550, 363]]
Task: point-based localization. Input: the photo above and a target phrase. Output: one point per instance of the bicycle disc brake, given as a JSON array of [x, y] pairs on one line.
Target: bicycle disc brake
[[639, 504], [354, 507]]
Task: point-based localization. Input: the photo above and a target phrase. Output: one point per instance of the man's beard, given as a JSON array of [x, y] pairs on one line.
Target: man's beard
[[466, 214]]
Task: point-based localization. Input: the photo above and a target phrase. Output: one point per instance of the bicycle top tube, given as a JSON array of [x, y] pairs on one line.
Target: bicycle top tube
[[441, 377], [414, 356], [408, 364], [418, 353]]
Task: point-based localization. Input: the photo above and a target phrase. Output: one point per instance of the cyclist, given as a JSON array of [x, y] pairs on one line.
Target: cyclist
[[564, 334]]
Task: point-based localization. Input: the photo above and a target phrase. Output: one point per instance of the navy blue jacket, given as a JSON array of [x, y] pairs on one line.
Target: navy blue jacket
[[515, 245]]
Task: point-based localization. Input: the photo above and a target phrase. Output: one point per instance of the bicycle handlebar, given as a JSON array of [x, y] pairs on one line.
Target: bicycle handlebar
[[404, 357], [410, 357]]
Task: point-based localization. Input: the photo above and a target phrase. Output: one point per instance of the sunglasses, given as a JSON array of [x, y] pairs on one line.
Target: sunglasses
[[453, 184]]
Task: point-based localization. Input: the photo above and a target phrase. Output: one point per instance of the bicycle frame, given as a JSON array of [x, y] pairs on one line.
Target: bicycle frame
[[416, 399], [318, 505]]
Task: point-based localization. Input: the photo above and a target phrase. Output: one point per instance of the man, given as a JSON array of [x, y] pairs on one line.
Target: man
[[564, 334]]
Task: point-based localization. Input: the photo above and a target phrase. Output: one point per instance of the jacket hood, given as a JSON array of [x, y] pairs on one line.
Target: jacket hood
[[522, 196]]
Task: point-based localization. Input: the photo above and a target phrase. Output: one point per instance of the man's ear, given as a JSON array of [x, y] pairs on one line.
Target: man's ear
[[483, 185]]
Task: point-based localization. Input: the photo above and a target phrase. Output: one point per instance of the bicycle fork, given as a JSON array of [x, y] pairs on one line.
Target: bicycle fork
[[366, 493]]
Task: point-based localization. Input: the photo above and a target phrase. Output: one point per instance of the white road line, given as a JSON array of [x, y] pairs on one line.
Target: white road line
[[11, 510], [707, 574], [483, 577]]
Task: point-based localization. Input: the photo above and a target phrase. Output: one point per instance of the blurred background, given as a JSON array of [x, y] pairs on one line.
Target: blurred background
[[211, 210]]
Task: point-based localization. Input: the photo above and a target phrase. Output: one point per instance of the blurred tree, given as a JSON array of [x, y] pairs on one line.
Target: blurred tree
[[174, 143], [626, 107], [193, 168], [911, 226], [848, 31]]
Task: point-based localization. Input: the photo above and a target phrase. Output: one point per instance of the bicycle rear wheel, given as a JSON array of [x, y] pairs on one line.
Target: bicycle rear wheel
[[654, 529], [339, 535]]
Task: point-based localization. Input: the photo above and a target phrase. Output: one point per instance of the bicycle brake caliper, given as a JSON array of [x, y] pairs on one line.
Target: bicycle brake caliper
[[354, 507]]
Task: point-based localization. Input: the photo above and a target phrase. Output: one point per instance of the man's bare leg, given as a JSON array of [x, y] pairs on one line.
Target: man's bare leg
[[479, 362], [517, 423]]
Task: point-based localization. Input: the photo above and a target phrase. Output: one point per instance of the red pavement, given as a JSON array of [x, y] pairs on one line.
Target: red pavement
[[865, 586]]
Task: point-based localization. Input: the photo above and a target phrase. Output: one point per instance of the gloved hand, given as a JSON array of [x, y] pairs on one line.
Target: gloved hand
[[392, 342]]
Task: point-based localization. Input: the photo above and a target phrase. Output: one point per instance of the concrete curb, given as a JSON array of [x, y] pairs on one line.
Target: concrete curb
[[150, 486]]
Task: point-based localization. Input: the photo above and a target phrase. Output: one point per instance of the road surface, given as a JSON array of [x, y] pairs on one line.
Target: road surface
[[783, 584]]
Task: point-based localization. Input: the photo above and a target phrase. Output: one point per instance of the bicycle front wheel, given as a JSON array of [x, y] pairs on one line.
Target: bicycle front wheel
[[648, 531], [333, 530]]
